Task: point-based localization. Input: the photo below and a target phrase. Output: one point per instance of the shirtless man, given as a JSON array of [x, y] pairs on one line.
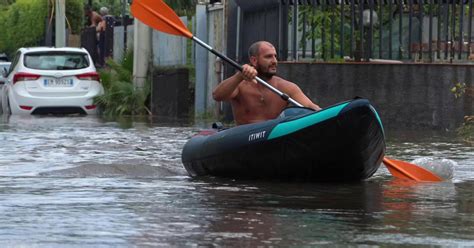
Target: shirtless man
[[251, 101], [94, 18]]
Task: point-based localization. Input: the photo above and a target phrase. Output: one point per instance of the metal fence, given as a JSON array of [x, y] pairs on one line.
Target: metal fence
[[408, 30]]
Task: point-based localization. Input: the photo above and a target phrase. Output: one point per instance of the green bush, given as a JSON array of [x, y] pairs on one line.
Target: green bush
[[121, 97], [183, 7], [75, 15], [114, 6], [466, 130], [25, 22]]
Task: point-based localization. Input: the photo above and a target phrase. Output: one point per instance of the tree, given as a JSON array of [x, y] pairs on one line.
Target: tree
[[24, 22], [6, 2], [183, 7]]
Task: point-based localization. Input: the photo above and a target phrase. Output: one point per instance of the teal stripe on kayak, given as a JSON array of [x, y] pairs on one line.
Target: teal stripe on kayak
[[378, 119], [298, 124]]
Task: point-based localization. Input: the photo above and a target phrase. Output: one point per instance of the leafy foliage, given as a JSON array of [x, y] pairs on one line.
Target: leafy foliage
[[324, 22], [458, 89], [115, 6], [23, 24], [321, 21], [183, 7], [6, 3], [74, 15], [466, 131], [121, 97]]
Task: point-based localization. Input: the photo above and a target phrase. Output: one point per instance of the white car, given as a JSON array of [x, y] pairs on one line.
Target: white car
[[48, 80]]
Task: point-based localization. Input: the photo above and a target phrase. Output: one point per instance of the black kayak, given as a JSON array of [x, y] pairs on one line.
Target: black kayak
[[343, 142]]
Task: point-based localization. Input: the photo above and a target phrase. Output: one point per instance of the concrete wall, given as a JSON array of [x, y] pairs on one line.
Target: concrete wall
[[405, 95], [168, 50]]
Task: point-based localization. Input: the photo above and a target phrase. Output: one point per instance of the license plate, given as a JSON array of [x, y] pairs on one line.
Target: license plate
[[58, 82]]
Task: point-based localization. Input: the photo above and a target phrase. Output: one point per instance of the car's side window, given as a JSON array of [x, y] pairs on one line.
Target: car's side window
[[14, 62]]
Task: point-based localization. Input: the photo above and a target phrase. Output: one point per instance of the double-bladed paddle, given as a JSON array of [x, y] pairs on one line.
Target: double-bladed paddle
[[158, 15], [405, 170]]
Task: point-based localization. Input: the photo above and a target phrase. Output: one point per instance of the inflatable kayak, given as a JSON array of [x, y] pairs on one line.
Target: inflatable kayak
[[343, 142]]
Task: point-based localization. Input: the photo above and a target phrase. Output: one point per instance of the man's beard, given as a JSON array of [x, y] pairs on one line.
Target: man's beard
[[265, 74]]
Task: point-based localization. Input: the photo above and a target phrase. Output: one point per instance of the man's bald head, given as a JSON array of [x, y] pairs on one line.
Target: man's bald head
[[255, 47]]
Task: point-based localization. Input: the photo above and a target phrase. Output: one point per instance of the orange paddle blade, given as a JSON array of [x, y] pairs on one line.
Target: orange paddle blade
[[159, 16], [405, 170]]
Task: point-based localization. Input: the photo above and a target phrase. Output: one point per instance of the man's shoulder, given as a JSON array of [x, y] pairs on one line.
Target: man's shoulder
[[282, 82], [280, 79]]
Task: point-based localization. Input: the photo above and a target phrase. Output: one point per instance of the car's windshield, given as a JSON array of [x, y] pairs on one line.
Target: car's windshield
[[56, 60]]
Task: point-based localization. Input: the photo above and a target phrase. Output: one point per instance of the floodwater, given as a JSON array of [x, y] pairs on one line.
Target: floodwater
[[85, 181]]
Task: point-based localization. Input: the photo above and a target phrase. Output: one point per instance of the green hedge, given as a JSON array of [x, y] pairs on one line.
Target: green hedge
[[24, 22], [121, 96], [75, 15], [114, 6]]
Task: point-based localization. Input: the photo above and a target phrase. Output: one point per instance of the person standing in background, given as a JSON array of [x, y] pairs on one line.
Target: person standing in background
[[96, 21]]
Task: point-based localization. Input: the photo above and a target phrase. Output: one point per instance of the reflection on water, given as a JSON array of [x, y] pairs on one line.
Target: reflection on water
[[86, 181]]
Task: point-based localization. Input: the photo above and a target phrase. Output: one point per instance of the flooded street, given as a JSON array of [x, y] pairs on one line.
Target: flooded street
[[85, 181]]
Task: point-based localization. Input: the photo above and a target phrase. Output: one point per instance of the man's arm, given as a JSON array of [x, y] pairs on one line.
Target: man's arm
[[297, 94], [228, 88], [95, 19]]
